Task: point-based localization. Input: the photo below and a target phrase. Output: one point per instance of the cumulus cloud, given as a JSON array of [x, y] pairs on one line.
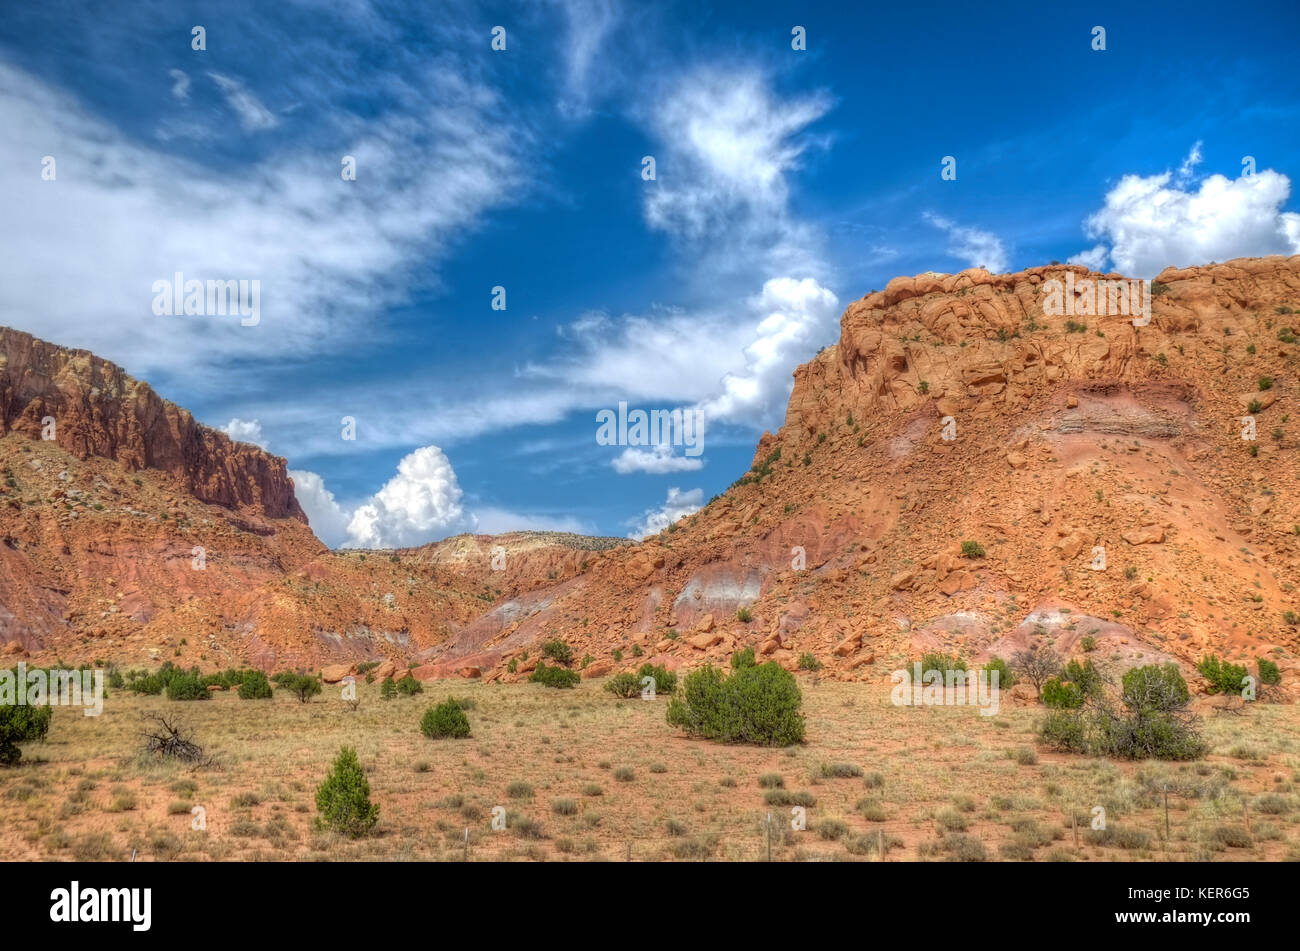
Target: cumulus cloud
[[978, 248], [327, 518], [796, 318], [655, 461], [1158, 221], [253, 116], [421, 502], [731, 364], [245, 430], [1094, 258], [678, 505]]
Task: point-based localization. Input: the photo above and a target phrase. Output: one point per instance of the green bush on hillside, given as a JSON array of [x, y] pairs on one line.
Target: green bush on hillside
[[553, 676], [21, 723], [343, 800], [759, 704], [1222, 676], [255, 686], [447, 719]]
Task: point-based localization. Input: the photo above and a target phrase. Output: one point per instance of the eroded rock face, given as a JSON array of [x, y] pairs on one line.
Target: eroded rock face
[[98, 410], [1097, 466]]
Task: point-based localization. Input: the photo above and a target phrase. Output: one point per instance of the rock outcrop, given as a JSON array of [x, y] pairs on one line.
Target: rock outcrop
[[93, 408], [961, 471]]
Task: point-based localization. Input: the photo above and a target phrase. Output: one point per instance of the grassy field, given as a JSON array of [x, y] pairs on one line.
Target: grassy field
[[583, 776]]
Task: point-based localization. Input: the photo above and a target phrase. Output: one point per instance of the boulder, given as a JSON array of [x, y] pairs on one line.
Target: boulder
[[333, 673]]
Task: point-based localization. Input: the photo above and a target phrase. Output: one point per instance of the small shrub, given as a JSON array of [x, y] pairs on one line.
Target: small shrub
[[742, 658], [972, 549], [941, 662], [21, 723], [1006, 677], [1269, 674], [1222, 676], [963, 848], [808, 661], [625, 685], [343, 800], [832, 829], [1062, 694], [255, 686], [186, 687], [557, 677], [408, 686], [665, 680], [558, 651], [758, 704], [871, 809], [783, 797], [446, 720], [303, 686]]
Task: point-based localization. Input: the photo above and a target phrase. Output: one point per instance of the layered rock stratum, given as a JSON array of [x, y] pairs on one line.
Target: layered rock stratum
[[1099, 465]]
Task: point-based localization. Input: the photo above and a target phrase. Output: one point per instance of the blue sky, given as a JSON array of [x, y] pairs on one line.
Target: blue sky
[[788, 182]]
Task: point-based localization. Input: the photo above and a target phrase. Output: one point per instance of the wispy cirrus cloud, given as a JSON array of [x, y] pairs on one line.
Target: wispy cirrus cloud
[[729, 143], [253, 116], [975, 246], [121, 215]]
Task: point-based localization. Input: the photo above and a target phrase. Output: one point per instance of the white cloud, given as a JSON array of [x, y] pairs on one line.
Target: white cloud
[[1188, 168], [589, 24], [1094, 259], [495, 521], [734, 363], [420, 503], [978, 248], [656, 461], [1159, 221], [726, 145], [678, 505], [329, 256], [245, 430], [327, 518], [180, 84], [796, 318], [253, 116]]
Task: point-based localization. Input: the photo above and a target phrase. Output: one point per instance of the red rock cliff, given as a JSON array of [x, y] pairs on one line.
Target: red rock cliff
[[101, 411]]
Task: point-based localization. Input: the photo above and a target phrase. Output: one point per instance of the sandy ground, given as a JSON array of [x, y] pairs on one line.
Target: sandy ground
[[583, 776]]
